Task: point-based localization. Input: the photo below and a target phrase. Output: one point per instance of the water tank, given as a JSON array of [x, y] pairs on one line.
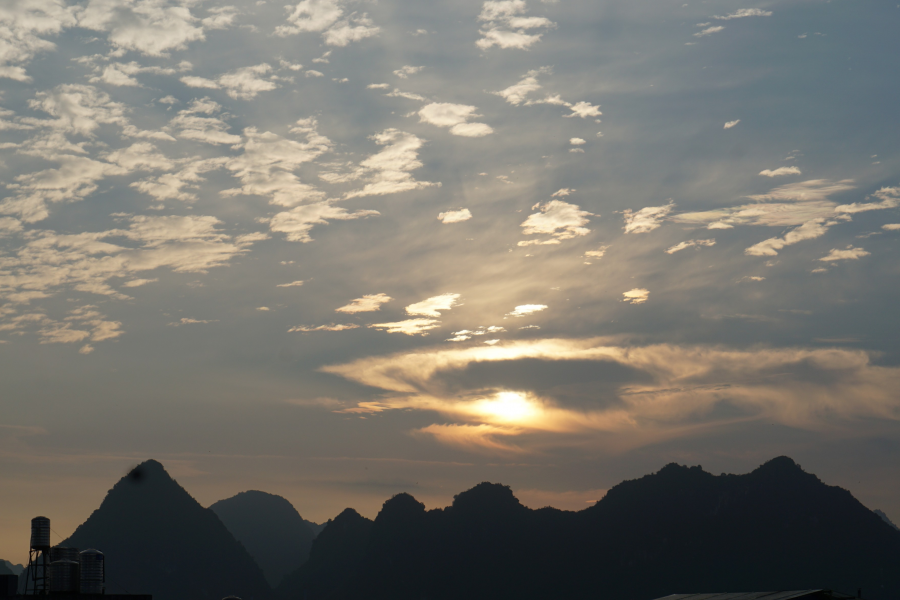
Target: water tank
[[63, 553], [64, 576], [92, 571], [40, 533]]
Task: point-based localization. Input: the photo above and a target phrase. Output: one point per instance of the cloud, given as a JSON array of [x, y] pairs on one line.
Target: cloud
[[636, 296], [801, 202], [561, 220], [409, 326], [432, 306], [889, 196], [583, 110], [297, 283], [454, 216], [408, 95], [244, 83], [190, 321], [674, 390], [891, 226], [405, 71], [76, 178], [647, 219], [49, 263], [807, 231], [746, 12], [710, 31], [813, 189], [332, 327], [327, 17], [456, 117], [368, 303], [388, 171], [517, 94], [849, 253], [688, 244], [299, 221], [598, 253], [122, 74], [198, 122], [266, 166], [577, 141], [152, 27], [21, 26], [731, 124], [525, 310], [780, 171], [506, 27]]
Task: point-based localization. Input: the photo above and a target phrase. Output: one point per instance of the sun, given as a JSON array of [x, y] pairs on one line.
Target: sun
[[507, 407]]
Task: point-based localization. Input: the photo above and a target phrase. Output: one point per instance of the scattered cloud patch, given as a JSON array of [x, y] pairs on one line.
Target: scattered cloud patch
[[432, 306], [409, 326], [297, 283], [690, 244], [780, 171], [388, 171], [889, 196], [745, 12], [456, 117], [297, 223], [368, 303], [454, 216], [505, 25], [807, 231], [405, 71], [647, 219], [331, 327], [848, 253], [559, 219], [525, 310], [731, 124], [709, 31], [190, 321], [598, 253], [327, 18], [636, 296]]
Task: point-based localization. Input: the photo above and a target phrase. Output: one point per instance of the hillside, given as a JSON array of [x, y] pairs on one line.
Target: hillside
[[679, 530], [271, 530], [159, 540]]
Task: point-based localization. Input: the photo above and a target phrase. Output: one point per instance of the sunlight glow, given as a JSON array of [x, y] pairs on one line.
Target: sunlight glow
[[507, 407]]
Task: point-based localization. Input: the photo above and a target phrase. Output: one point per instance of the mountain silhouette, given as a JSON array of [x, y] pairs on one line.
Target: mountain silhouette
[[159, 540], [679, 530], [337, 553], [885, 518], [271, 530]]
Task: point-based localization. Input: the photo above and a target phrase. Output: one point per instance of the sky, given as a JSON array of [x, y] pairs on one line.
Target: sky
[[341, 249]]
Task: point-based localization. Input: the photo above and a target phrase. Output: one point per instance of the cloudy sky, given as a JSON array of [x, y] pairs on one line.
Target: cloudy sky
[[340, 249]]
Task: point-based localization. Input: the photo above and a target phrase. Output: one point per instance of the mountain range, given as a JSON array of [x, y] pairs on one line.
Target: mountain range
[[271, 530], [159, 540], [679, 530]]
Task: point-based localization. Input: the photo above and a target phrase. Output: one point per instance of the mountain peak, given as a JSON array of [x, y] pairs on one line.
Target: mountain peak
[[162, 541], [487, 498], [147, 470]]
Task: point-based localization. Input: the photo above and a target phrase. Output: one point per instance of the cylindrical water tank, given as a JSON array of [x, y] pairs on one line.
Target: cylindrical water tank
[[92, 571], [40, 533], [63, 553], [64, 576]]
